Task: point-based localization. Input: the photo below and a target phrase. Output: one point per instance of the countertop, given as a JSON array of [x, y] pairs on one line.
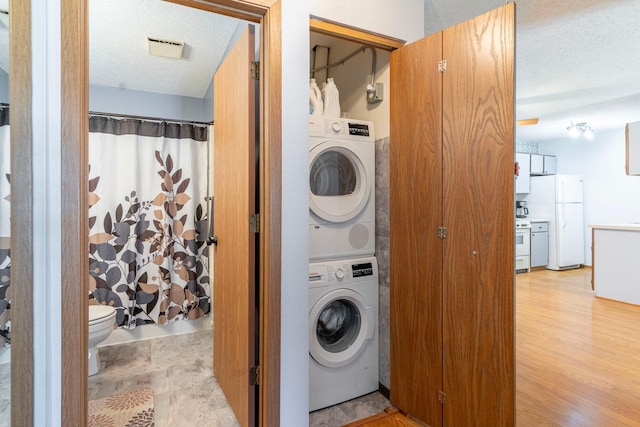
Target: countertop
[[629, 226], [538, 220]]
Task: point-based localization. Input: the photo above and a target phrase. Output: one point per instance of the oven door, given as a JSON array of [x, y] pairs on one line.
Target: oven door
[[523, 237]]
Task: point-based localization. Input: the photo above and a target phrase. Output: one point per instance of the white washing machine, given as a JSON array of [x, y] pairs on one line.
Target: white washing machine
[[342, 160], [343, 330]]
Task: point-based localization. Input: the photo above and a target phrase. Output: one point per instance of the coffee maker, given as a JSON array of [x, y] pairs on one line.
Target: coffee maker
[[521, 209]]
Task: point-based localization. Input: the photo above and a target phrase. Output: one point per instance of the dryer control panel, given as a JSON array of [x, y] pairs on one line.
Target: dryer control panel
[[338, 128]]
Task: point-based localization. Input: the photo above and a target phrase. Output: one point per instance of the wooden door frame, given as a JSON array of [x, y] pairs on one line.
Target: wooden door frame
[[20, 100], [74, 126]]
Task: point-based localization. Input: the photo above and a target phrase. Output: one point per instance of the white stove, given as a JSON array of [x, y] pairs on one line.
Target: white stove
[[523, 245]]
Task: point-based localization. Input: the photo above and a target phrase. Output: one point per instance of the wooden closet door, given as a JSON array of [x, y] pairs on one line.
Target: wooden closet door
[[415, 214], [478, 170]]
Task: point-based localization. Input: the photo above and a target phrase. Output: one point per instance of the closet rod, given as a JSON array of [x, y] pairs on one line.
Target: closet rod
[[148, 118], [351, 55]]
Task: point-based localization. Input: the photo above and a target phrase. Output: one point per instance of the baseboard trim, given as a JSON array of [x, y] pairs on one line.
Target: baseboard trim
[[384, 390]]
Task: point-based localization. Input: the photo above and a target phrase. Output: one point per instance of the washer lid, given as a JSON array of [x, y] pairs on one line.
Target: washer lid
[[99, 312]]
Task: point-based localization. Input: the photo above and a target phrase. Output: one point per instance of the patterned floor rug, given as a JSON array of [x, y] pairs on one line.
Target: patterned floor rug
[[133, 409]]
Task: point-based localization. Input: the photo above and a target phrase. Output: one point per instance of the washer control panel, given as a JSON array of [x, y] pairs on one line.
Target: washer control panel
[[362, 270], [340, 272]]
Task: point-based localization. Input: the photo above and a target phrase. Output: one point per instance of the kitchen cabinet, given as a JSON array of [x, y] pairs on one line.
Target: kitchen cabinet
[[451, 224], [550, 165], [632, 136], [523, 179], [539, 244], [537, 164], [543, 164]]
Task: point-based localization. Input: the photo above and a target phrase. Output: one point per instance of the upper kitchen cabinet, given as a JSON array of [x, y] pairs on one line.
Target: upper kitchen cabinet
[[523, 179], [451, 224], [632, 131], [543, 164], [550, 165]]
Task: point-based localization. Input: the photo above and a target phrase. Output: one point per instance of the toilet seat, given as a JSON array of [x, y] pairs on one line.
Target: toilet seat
[[100, 313]]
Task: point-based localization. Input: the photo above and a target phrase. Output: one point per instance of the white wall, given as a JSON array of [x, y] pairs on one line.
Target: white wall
[[294, 381], [402, 19], [609, 194], [137, 103], [47, 212]]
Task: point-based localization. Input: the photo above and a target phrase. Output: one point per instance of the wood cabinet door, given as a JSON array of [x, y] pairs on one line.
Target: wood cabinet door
[[234, 304], [451, 159], [415, 215], [478, 271]]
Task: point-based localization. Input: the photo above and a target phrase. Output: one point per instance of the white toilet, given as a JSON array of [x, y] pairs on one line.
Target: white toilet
[[101, 324]]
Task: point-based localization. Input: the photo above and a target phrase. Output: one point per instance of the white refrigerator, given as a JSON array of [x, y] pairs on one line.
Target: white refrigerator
[[558, 198]]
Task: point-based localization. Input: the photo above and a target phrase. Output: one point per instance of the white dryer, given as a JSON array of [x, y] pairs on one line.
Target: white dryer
[[342, 161], [343, 330]]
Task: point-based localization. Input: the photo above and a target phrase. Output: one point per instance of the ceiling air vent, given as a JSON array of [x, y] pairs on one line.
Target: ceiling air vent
[[166, 48]]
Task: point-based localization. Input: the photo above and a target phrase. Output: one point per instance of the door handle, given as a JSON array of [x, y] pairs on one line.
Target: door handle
[[212, 239]]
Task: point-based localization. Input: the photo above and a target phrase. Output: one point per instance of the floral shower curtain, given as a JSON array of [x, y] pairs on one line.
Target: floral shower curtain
[[5, 229], [147, 251]]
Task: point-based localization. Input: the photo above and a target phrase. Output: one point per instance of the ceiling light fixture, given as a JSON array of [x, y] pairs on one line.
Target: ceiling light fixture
[[577, 129]]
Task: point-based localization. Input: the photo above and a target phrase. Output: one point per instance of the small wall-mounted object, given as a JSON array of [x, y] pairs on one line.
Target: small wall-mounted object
[[374, 93], [632, 133], [165, 48]]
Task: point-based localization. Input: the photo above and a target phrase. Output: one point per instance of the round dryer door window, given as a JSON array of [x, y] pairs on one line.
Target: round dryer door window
[[340, 326], [338, 184]]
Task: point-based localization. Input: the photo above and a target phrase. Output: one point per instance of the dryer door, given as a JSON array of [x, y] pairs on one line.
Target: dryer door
[[340, 324], [338, 184]]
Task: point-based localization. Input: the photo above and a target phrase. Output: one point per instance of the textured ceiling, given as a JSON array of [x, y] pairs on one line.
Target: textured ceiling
[[576, 60], [118, 53]]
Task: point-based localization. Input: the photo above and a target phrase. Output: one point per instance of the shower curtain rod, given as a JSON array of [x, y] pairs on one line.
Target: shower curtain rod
[[128, 116], [149, 119]]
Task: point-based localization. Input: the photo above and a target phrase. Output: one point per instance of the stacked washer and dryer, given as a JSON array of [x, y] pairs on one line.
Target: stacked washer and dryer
[[343, 271]]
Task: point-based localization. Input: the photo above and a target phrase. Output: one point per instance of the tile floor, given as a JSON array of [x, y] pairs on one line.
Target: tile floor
[[5, 394], [350, 411], [178, 368]]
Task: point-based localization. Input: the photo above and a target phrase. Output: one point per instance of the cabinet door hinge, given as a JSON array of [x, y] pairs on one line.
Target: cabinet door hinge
[[254, 375], [442, 232], [255, 70], [442, 66], [254, 223], [442, 397]]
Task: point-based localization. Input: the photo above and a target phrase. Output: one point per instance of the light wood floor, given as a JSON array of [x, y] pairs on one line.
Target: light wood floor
[[578, 357]]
